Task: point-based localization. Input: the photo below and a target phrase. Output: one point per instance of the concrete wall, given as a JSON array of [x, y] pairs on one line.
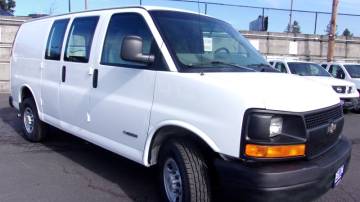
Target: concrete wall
[[302, 46], [8, 28]]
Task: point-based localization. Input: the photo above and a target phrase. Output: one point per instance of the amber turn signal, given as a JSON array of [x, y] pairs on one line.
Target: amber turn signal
[[278, 151]]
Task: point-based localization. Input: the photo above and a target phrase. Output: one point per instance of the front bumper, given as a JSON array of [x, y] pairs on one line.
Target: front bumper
[[302, 180], [350, 103], [357, 106]]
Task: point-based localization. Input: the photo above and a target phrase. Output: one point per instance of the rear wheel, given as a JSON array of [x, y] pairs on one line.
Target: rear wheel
[[183, 173], [33, 127]]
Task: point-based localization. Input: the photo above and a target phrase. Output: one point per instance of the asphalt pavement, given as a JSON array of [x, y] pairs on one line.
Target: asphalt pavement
[[68, 169]]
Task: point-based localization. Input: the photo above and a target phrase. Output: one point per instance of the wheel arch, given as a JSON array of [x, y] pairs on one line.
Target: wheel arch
[[175, 129], [26, 91]]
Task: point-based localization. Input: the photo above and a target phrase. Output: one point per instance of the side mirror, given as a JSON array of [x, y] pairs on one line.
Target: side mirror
[[131, 50]]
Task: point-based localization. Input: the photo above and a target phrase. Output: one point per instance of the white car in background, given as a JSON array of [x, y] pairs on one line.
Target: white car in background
[[346, 90], [346, 71]]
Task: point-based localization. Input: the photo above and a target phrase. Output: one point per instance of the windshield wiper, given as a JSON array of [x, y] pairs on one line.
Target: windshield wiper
[[225, 67], [216, 62], [259, 65]]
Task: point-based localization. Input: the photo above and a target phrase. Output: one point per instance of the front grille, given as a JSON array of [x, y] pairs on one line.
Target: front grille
[[320, 118], [319, 138], [339, 89]]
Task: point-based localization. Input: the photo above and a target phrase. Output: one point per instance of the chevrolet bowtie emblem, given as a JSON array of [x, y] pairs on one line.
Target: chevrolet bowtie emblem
[[331, 128]]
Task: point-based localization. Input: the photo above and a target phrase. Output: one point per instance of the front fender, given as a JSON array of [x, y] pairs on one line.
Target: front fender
[[153, 130]]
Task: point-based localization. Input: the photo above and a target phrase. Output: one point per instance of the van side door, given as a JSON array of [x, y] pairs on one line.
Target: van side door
[[51, 73], [122, 97], [75, 77]]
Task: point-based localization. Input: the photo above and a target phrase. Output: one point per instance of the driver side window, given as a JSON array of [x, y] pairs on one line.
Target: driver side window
[[120, 26], [280, 67], [337, 72]]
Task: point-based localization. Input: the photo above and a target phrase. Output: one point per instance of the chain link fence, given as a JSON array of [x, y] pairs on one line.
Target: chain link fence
[[310, 22]]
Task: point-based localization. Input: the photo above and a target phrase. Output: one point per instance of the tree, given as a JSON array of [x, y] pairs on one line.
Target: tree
[[8, 5], [294, 28], [347, 33]]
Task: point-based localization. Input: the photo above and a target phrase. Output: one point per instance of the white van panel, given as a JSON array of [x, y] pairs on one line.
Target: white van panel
[[26, 60], [30, 42]]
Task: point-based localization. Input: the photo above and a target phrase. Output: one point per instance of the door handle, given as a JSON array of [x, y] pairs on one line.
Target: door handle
[[95, 78], [63, 73]]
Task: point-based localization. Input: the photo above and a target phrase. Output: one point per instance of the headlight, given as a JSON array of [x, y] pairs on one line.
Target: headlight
[[273, 135], [339, 89], [275, 128]]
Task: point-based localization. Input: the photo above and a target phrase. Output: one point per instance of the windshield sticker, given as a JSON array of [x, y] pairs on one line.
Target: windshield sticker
[[208, 44]]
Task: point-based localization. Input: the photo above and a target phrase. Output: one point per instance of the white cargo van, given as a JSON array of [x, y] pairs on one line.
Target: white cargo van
[[182, 91], [346, 90]]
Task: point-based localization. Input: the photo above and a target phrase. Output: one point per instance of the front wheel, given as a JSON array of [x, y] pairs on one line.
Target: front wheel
[[357, 109], [183, 173]]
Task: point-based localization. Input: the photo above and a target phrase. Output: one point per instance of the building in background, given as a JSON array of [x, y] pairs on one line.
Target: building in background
[[260, 24]]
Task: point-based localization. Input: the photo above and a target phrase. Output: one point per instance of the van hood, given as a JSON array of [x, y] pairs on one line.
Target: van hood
[[275, 91], [330, 81]]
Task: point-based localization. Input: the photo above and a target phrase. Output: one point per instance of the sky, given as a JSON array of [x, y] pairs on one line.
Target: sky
[[238, 17]]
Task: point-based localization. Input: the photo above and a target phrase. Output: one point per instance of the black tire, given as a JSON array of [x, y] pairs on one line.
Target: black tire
[[37, 134], [192, 168], [356, 110]]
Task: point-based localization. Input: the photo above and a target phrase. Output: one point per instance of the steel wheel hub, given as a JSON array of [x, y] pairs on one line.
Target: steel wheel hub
[[172, 180], [29, 120]]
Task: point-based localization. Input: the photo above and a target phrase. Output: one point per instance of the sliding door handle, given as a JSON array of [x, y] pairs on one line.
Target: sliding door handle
[[63, 73], [95, 78]]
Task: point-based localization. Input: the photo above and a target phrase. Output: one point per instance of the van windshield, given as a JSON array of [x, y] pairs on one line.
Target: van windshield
[[354, 70], [307, 69], [201, 43]]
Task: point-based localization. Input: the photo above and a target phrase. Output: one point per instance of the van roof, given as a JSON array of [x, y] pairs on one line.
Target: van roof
[[148, 8]]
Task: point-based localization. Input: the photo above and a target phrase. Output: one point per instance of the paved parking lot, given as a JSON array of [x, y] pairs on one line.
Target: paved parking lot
[[66, 168]]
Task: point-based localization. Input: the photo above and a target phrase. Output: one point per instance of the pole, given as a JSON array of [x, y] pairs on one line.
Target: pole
[[331, 43], [262, 19], [206, 8], [69, 6], [86, 5], [290, 16], [316, 19]]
